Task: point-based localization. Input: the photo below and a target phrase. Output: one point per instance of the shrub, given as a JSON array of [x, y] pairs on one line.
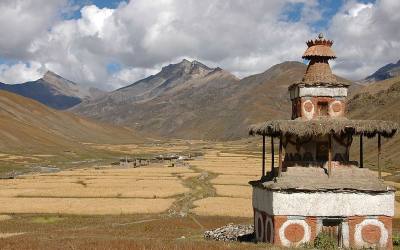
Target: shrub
[[324, 241], [396, 239]]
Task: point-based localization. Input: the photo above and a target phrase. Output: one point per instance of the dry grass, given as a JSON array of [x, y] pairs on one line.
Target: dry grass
[[8, 235], [151, 148], [228, 200], [4, 217], [234, 191], [44, 155], [95, 191], [11, 157], [81, 187], [224, 206], [73, 185], [231, 166], [394, 184], [234, 171], [112, 192], [227, 179], [84, 206], [141, 184], [118, 232], [104, 171]]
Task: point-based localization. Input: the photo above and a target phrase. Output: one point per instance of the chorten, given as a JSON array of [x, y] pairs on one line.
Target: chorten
[[316, 187]]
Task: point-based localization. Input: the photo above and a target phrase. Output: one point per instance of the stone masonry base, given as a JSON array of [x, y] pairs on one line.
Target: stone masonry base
[[353, 231]]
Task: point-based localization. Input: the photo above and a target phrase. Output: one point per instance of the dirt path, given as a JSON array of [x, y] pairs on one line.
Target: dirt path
[[200, 188]]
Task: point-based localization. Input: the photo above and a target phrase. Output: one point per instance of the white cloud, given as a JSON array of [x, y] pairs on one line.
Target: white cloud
[[243, 37], [21, 72], [356, 8], [366, 37], [93, 20], [21, 21]]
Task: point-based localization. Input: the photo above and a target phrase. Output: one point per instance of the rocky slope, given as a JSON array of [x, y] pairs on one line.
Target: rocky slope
[[54, 91], [379, 101], [191, 100]]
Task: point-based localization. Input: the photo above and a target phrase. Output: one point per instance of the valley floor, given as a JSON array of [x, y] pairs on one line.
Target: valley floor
[[149, 207]]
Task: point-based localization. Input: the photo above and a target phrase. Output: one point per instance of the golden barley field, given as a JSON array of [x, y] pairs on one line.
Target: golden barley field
[[157, 188], [104, 190], [104, 206]]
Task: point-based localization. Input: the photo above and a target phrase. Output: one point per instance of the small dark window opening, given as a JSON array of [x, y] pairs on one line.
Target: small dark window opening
[[333, 228], [322, 151], [323, 109]]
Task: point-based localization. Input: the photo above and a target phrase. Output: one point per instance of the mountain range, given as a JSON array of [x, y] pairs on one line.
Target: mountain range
[[54, 91], [388, 71], [192, 100], [186, 100]]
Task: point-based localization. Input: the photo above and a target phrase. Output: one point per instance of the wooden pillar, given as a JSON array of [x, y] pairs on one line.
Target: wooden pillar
[[379, 156], [329, 155], [272, 154], [361, 152], [348, 147], [280, 157], [263, 156]]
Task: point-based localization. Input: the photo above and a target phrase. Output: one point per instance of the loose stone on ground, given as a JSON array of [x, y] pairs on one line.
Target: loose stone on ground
[[231, 232]]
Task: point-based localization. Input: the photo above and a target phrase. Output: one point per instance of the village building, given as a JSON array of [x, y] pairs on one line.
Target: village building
[[315, 186]]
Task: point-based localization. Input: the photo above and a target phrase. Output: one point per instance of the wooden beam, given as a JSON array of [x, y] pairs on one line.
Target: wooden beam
[[379, 156], [280, 157], [348, 147], [329, 154], [361, 152], [263, 156]]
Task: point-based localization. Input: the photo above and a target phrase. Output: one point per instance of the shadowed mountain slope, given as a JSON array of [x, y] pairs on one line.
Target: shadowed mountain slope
[[388, 71], [54, 91]]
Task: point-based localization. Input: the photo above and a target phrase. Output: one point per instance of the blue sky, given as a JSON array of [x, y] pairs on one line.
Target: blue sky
[[112, 4], [106, 3], [109, 44], [328, 9]]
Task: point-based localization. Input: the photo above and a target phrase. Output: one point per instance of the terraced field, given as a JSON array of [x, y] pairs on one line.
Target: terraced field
[[151, 207]]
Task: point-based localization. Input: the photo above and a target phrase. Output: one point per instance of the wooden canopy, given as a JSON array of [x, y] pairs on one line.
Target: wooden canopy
[[308, 128]]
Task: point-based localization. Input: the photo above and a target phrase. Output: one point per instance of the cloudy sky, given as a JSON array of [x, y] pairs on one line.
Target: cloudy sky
[[110, 44]]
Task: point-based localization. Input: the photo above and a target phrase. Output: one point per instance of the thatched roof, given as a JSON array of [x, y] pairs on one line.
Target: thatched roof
[[306, 128], [313, 179], [320, 50]]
